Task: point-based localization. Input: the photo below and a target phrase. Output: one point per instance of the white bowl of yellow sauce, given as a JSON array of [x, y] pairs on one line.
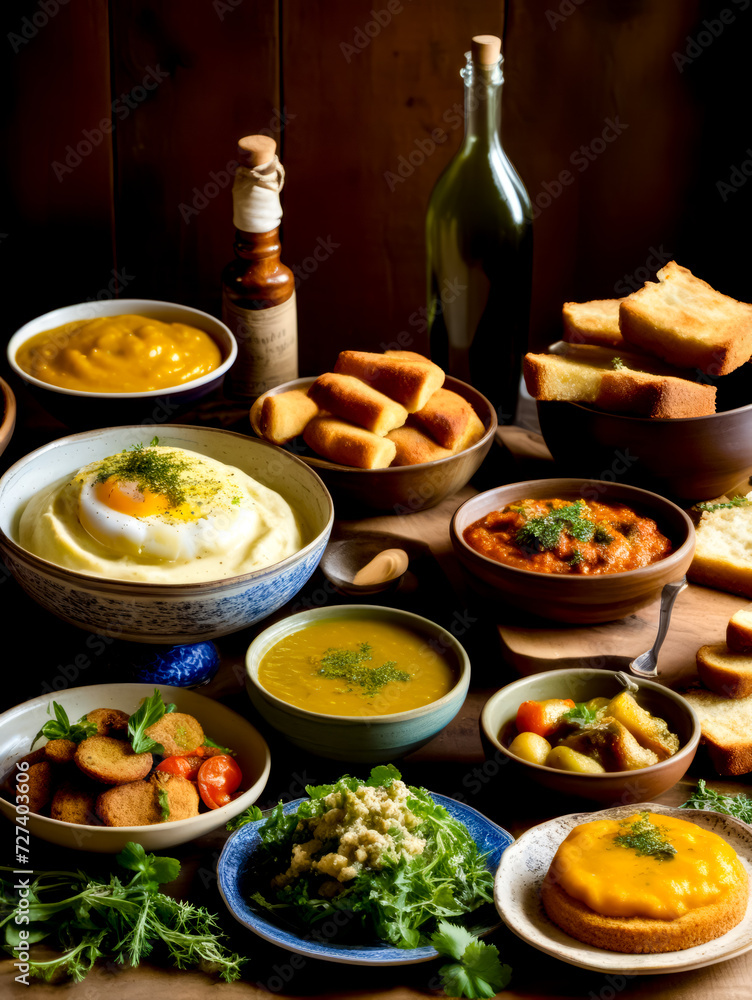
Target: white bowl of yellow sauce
[[311, 677], [121, 361]]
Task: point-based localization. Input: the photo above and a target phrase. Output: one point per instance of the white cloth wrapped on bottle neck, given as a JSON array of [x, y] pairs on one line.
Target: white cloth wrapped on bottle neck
[[255, 197]]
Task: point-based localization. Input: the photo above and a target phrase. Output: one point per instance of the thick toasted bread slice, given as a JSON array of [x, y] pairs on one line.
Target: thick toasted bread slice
[[724, 672], [595, 322], [616, 383], [726, 729], [739, 631], [723, 554], [685, 321]]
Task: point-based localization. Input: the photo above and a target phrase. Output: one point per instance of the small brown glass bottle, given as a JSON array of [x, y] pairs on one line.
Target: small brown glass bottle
[[258, 290]]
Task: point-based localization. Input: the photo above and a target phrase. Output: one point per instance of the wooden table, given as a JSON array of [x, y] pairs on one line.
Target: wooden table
[[500, 645]]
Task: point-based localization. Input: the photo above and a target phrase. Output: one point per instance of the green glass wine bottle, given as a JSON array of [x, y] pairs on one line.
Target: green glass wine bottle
[[479, 244]]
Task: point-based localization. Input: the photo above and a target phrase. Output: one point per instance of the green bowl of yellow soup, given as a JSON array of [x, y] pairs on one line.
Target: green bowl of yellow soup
[[357, 682]]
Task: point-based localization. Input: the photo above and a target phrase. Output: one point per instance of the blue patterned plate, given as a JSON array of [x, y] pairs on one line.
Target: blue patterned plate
[[235, 861]]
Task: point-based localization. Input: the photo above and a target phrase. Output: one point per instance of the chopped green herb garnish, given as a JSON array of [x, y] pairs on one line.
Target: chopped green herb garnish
[[739, 806], [581, 715], [576, 558], [349, 665], [646, 839], [544, 533], [159, 472], [601, 536], [617, 364], [737, 501]]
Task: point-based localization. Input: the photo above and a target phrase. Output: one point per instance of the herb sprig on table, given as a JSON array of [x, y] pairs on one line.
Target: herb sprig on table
[[87, 919], [738, 806]]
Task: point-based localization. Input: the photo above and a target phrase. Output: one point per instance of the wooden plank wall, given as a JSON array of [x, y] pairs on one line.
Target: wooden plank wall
[[353, 90]]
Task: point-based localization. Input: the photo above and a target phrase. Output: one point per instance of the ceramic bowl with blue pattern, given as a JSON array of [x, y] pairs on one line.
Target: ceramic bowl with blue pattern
[[79, 409], [235, 876], [174, 612], [366, 739]]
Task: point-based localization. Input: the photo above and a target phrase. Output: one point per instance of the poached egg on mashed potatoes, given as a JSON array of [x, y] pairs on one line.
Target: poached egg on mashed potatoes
[[160, 515]]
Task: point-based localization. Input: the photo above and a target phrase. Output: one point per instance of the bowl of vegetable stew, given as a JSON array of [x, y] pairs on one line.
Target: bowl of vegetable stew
[[638, 781], [579, 592], [20, 725]]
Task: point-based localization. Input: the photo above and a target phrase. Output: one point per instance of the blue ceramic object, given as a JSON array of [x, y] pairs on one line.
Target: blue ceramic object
[[180, 666], [237, 856]]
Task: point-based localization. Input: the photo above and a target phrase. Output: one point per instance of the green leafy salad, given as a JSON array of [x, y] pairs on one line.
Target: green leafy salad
[[385, 853]]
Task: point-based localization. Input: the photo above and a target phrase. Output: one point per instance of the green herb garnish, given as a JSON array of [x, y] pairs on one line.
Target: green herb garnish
[[164, 803], [61, 728], [576, 558], [249, 815], [737, 501], [349, 665], [87, 919], [218, 746], [160, 472], [544, 533], [617, 364], [581, 715], [739, 806], [476, 970], [601, 536], [646, 839], [152, 710]]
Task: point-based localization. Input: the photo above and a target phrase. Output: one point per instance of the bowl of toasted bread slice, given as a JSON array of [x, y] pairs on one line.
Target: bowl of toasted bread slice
[[654, 388], [384, 431]]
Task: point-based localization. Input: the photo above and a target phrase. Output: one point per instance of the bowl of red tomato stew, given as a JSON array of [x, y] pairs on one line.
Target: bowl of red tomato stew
[[573, 550], [592, 733], [103, 765]]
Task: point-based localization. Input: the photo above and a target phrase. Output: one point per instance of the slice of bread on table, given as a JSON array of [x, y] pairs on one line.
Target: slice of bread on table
[[726, 729], [739, 631], [614, 382], [724, 672], [595, 322], [685, 321], [723, 554]]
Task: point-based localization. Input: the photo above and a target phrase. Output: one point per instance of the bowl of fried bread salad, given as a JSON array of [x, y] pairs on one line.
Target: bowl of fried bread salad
[[95, 767], [362, 871]]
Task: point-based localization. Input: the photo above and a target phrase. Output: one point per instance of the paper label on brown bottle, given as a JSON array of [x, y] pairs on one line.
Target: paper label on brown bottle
[[267, 347]]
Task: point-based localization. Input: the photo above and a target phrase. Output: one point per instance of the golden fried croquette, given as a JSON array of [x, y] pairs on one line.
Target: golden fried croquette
[[74, 802], [60, 751], [109, 721], [178, 733], [111, 761], [138, 803], [39, 778]]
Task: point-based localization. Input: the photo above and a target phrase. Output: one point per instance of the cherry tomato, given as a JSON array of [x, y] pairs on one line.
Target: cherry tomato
[[186, 767], [542, 717], [218, 777]]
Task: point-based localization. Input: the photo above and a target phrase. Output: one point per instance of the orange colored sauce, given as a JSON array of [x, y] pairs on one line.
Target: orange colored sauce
[[524, 534]]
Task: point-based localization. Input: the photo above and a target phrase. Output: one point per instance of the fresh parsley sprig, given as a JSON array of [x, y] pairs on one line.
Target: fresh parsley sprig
[[739, 806], [86, 919], [476, 970], [581, 715], [152, 710], [61, 728], [737, 501]]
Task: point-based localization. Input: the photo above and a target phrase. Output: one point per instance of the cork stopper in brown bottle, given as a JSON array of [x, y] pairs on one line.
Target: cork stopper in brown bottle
[[255, 150], [486, 49]]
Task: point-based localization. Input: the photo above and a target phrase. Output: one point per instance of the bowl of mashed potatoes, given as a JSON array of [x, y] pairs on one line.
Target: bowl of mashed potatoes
[[121, 361], [180, 538]]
